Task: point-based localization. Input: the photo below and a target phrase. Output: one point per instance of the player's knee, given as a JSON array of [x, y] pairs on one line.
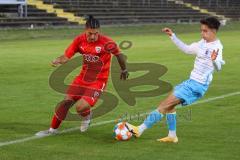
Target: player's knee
[[81, 105], [84, 111], [164, 108], [161, 109], [80, 108]]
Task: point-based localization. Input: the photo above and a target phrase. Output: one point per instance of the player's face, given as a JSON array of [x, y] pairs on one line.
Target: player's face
[[207, 33], [92, 34]]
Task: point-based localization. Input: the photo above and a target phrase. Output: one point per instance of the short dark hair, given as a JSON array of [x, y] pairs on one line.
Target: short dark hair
[[92, 22], [211, 22]]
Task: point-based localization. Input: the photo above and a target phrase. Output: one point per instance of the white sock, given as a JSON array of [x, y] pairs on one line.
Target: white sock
[[172, 134], [142, 127]]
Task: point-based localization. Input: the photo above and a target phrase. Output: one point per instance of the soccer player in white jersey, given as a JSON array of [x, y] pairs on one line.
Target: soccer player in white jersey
[[208, 52]]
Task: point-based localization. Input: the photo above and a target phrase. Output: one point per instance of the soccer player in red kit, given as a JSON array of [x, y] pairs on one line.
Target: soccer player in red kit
[[85, 89]]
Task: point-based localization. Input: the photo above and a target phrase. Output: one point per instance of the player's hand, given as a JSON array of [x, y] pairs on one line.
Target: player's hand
[[124, 75], [60, 60], [214, 54], [56, 62], [168, 31]]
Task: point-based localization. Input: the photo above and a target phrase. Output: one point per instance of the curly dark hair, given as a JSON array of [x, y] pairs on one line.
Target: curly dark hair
[[92, 22]]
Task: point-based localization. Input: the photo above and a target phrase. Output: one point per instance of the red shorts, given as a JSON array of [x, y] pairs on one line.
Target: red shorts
[[88, 91]]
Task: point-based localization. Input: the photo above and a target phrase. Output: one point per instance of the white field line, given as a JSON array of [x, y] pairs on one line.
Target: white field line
[[110, 121]]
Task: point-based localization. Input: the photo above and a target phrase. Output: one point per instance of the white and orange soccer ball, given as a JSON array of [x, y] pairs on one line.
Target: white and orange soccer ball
[[121, 132]]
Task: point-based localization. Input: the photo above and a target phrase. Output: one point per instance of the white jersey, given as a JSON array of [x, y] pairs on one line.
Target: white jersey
[[203, 65]]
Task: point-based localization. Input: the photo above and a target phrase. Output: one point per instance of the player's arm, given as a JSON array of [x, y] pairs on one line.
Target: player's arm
[[188, 49], [122, 63], [112, 48], [217, 60], [69, 53]]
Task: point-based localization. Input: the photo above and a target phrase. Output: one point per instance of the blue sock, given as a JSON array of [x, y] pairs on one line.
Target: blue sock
[[172, 123], [153, 118]]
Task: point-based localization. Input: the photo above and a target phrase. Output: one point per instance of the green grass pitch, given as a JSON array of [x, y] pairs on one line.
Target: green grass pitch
[[27, 102]]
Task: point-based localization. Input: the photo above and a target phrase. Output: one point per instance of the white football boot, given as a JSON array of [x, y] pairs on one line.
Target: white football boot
[[48, 132]]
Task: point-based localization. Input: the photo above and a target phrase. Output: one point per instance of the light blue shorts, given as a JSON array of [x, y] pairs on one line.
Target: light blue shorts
[[189, 91]]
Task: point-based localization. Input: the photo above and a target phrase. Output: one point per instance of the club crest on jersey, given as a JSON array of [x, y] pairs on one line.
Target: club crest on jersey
[[206, 53], [98, 49]]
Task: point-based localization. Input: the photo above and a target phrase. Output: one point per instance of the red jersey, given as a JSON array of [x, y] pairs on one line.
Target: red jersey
[[96, 56]]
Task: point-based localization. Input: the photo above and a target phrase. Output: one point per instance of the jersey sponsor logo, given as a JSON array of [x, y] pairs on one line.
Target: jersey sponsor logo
[[90, 58]]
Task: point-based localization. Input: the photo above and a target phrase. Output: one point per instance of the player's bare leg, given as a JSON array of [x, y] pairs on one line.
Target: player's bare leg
[[168, 104], [83, 109], [59, 115]]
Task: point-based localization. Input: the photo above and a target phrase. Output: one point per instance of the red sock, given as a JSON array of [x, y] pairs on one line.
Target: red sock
[[61, 113], [85, 112], [55, 122]]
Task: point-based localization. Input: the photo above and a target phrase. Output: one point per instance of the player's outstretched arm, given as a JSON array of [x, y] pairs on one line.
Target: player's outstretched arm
[[59, 60], [188, 49], [122, 63]]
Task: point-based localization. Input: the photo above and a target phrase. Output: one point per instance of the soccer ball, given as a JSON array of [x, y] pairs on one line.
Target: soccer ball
[[121, 132]]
